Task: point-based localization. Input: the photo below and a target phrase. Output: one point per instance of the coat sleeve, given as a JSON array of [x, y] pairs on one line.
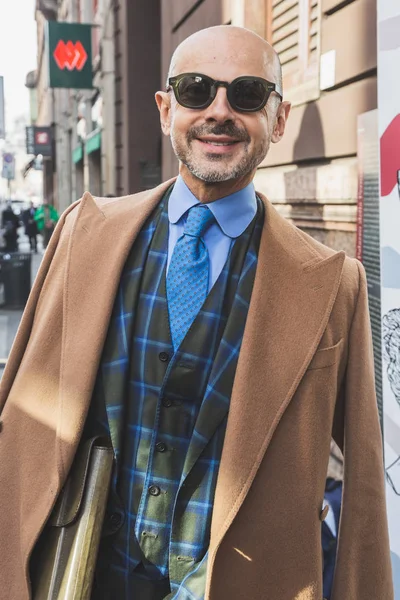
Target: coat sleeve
[[363, 570], [25, 326]]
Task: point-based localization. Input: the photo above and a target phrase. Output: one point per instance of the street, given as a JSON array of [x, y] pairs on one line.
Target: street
[[10, 318]]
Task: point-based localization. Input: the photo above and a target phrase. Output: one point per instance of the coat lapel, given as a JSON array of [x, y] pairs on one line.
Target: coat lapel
[[99, 246], [293, 295]]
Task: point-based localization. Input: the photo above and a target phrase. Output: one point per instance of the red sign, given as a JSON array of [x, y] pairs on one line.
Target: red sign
[[70, 55], [42, 137]]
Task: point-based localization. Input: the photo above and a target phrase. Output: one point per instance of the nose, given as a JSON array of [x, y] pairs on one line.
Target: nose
[[220, 110]]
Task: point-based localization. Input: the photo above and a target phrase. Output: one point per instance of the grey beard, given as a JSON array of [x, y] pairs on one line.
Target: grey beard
[[210, 175]]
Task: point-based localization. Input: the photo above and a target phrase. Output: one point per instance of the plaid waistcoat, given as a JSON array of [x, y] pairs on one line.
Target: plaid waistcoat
[[167, 412]]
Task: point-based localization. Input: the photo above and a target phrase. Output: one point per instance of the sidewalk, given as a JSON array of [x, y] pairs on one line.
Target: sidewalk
[[10, 318]]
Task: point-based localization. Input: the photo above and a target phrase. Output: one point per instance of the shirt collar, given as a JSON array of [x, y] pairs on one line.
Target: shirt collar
[[233, 213]]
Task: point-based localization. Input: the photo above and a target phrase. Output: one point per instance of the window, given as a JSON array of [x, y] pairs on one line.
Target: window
[[95, 30], [293, 28]]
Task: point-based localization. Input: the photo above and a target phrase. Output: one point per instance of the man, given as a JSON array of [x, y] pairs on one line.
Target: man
[[46, 218], [10, 223], [219, 347], [28, 218]]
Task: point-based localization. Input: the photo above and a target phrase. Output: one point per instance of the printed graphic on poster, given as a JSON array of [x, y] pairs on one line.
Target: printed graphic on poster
[[389, 132]]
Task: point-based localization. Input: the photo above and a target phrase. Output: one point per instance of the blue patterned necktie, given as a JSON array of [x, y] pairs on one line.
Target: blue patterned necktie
[[187, 280]]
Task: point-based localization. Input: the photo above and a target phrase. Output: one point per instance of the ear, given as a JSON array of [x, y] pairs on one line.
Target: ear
[[282, 116], [163, 101]]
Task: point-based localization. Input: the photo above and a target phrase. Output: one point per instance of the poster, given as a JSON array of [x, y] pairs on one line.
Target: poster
[[389, 134]]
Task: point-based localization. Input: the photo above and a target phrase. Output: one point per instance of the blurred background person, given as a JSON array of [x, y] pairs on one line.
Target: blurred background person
[[10, 223], [46, 218], [31, 228]]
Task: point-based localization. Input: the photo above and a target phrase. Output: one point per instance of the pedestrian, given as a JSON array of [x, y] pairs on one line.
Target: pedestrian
[[10, 223], [46, 218], [31, 230], [218, 347]]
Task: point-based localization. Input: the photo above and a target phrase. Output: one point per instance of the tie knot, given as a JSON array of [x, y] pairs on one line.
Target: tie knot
[[198, 221]]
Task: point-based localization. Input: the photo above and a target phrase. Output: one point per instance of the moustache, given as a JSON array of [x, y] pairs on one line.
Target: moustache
[[228, 129]]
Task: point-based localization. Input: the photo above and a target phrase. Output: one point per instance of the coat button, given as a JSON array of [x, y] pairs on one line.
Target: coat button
[[154, 490], [166, 402], [161, 447], [163, 356]]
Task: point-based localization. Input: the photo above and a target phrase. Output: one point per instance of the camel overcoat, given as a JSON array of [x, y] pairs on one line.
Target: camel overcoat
[[305, 370]]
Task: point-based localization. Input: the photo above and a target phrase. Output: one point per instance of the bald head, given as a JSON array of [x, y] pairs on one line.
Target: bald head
[[236, 47]]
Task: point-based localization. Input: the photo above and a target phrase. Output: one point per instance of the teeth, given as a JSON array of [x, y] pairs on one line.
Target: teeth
[[220, 143]]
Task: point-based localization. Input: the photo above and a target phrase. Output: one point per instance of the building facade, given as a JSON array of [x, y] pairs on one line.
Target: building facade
[[137, 37], [76, 116], [106, 139]]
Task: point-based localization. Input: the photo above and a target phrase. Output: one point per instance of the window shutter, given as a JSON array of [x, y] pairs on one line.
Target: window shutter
[[285, 33], [313, 35], [294, 32]]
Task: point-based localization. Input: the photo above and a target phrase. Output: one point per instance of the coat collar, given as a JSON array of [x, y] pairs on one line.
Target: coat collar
[[280, 338]]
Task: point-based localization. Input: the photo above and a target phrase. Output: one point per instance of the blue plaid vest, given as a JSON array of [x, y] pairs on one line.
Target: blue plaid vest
[[166, 414]]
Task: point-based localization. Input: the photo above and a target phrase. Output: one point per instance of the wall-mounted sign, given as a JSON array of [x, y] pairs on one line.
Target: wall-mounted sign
[[39, 140], [70, 55], [8, 171]]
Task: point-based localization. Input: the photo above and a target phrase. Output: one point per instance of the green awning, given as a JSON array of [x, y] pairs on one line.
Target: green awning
[[77, 154], [93, 141]]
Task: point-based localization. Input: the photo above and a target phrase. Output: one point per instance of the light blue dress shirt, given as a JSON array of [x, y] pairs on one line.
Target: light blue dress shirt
[[233, 214]]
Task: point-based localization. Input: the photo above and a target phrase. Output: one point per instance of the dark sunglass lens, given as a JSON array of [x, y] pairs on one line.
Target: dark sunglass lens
[[249, 94], [193, 91]]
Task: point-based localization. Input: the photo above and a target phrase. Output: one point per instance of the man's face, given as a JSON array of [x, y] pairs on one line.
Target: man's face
[[219, 143]]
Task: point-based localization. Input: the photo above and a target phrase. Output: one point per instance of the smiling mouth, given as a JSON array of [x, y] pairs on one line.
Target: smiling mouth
[[218, 143]]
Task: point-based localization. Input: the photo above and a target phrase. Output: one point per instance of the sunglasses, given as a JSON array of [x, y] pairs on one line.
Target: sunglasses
[[245, 94]]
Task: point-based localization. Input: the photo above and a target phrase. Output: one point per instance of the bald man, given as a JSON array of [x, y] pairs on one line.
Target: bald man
[[218, 349]]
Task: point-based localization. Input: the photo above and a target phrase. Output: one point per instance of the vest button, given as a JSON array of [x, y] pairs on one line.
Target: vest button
[[166, 402], [154, 490], [161, 447], [163, 356], [115, 521]]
